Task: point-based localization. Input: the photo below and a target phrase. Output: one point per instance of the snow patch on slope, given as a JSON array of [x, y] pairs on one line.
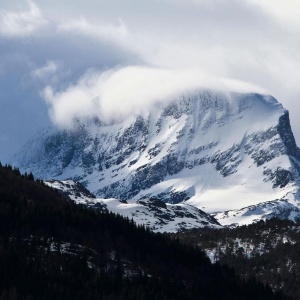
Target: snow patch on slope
[[155, 214]]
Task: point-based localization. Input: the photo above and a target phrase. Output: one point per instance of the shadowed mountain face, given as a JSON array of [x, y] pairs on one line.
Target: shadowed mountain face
[[218, 152]]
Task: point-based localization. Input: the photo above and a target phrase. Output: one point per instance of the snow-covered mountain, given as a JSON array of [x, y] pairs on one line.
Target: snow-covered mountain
[[155, 214], [228, 154]]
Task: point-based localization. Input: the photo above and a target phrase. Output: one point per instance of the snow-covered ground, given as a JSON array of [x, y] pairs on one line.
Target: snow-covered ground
[[154, 214]]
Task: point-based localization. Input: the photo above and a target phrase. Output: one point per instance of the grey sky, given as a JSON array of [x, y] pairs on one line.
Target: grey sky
[[68, 46]]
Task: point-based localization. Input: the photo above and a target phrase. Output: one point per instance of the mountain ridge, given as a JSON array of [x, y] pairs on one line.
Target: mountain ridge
[[219, 152], [155, 214]]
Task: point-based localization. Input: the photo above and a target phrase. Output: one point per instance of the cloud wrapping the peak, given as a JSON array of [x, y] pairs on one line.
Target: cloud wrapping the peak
[[115, 94]]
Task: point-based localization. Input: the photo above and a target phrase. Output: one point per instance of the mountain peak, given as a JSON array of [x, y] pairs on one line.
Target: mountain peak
[[216, 151]]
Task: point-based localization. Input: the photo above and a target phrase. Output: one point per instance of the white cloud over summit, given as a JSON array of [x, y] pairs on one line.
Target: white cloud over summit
[[133, 89], [102, 57]]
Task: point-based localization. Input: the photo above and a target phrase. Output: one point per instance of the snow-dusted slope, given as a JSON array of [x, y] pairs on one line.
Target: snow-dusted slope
[[155, 214], [283, 209], [218, 152]]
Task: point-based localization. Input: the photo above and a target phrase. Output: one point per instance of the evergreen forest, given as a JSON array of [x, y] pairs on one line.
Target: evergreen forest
[[51, 248], [267, 250]]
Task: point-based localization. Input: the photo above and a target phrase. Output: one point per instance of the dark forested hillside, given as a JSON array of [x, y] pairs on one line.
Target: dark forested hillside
[[51, 248], [267, 250]]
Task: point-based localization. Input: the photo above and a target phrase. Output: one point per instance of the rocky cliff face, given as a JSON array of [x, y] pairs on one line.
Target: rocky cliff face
[[219, 152]]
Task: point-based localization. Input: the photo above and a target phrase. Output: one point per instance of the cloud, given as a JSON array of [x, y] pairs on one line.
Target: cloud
[[50, 68], [159, 46], [21, 24], [115, 94], [115, 33], [286, 11]]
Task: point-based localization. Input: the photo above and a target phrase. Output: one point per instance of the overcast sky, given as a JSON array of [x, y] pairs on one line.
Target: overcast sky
[[73, 57]]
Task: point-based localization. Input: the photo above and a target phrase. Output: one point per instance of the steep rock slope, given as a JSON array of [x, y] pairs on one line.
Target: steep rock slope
[[219, 152]]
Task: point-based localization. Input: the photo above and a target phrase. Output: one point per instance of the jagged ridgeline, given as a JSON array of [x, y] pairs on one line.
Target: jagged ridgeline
[[227, 154], [51, 248]]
